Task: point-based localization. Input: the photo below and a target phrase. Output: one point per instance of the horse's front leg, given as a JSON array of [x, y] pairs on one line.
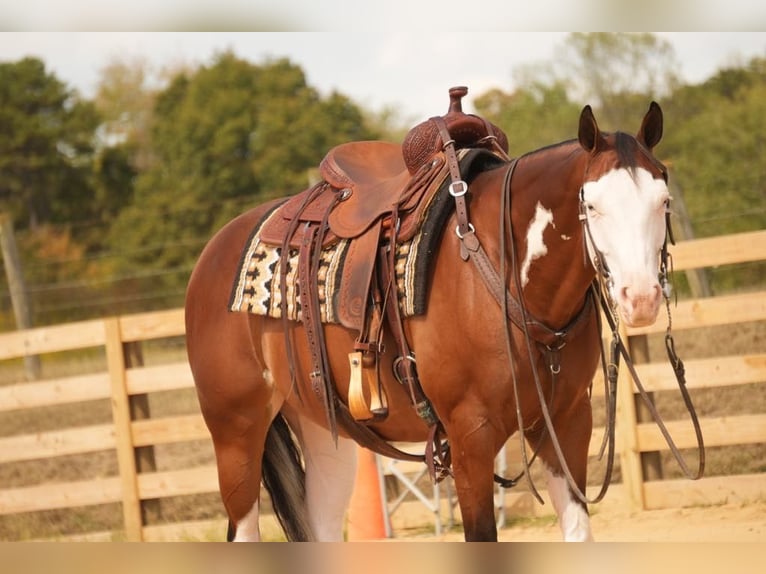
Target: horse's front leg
[[573, 431], [473, 463]]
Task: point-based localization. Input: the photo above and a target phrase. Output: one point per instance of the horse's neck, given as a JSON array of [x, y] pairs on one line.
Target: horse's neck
[[548, 234]]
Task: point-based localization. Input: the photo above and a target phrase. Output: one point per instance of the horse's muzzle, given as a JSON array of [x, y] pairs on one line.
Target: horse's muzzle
[[639, 306]]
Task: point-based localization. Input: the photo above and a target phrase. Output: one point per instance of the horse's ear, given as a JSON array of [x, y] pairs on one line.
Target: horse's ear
[[650, 132], [589, 134]]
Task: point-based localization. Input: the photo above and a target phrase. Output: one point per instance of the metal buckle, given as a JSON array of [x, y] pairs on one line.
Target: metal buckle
[[458, 188], [471, 229]]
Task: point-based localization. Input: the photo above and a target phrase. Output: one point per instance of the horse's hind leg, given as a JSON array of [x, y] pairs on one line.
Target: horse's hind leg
[[239, 432], [234, 394], [330, 473]]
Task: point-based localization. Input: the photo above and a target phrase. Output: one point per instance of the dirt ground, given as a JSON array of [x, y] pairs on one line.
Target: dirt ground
[[725, 523]]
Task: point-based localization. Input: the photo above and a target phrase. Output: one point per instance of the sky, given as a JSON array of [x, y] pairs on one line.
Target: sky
[[410, 73]]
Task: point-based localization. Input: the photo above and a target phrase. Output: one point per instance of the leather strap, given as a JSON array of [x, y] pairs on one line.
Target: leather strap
[[309, 312], [404, 365], [458, 187], [284, 259]]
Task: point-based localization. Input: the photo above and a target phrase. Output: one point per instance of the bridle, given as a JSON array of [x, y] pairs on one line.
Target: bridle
[[603, 283]]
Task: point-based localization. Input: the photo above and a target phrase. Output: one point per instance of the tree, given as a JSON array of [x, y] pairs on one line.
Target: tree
[[616, 72], [46, 146], [224, 137]]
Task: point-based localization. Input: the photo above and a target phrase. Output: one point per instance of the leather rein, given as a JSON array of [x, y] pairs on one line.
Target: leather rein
[[551, 341]]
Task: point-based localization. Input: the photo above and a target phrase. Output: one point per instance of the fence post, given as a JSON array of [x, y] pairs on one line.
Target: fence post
[[151, 510], [131, 500], [630, 456]]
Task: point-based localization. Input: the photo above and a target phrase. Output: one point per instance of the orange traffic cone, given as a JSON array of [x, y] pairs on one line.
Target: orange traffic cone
[[366, 519]]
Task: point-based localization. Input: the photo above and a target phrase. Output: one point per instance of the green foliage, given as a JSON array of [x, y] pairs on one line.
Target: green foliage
[[46, 146], [716, 145], [227, 136]]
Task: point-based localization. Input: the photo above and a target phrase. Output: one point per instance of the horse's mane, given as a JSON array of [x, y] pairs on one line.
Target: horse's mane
[[626, 146]]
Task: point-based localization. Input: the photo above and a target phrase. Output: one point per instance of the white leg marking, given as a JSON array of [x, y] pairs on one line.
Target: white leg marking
[[573, 520], [535, 246], [330, 474], [247, 528]]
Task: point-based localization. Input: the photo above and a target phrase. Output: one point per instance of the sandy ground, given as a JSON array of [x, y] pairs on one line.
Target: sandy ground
[[725, 523]]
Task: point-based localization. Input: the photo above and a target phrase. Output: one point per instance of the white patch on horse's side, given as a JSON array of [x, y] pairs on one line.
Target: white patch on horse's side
[[566, 237], [247, 528], [535, 246], [573, 519]]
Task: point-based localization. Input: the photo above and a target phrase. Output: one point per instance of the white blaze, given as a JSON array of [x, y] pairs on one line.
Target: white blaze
[[626, 218], [535, 246]]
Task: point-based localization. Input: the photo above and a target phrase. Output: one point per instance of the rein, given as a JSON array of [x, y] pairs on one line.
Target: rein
[[552, 341]]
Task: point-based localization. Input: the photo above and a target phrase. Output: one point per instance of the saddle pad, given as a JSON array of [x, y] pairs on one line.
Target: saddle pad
[[256, 286]]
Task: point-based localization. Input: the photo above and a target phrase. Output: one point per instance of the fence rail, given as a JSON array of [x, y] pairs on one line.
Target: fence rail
[[126, 434]]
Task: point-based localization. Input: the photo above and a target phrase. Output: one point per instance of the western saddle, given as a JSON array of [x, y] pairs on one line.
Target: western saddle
[[374, 194]]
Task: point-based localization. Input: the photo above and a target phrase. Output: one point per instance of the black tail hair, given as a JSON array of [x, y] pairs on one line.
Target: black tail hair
[[285, 480]]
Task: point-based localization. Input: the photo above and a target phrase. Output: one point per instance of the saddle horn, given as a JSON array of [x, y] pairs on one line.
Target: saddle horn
[[466, 130]]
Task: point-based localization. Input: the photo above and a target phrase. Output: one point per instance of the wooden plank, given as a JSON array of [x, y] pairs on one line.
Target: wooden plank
[[67, 390], [169, 429], [712, 490], [154, 325], [716, 431], [56, 443], [60, 495], [719, 310], [131, 504], [159, 378], [99, 536], [70, 336], [706, 373], [721, 250], [178, 482]]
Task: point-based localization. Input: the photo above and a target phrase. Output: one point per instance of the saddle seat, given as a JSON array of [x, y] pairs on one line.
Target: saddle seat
[[363, 182], [362, 165], [374, 180]]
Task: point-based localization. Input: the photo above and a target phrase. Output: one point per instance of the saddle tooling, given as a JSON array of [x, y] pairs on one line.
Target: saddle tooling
[[353, 249]]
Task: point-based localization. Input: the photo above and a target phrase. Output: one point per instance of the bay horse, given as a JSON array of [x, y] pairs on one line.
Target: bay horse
[[548, 223]]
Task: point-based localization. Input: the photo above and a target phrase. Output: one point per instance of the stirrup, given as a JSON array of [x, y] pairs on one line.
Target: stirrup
[[377, 410]]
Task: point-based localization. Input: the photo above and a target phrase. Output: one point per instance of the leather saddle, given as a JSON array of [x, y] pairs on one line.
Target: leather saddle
[[372, 194], [362, 183]]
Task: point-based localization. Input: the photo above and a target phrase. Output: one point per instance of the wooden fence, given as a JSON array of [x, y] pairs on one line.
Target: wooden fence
[[127, 434]]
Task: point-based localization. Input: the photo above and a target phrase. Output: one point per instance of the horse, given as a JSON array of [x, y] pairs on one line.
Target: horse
[[549, 224]]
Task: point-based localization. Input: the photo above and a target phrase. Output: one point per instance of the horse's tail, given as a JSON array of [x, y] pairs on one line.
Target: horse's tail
[[285, 480]]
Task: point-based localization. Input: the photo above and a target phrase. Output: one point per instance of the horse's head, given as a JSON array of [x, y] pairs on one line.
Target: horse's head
[[624, 201]]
